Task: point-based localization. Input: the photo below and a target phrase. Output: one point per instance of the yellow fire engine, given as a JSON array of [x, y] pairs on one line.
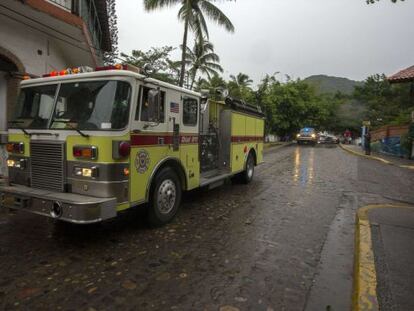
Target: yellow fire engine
[[85, 145]]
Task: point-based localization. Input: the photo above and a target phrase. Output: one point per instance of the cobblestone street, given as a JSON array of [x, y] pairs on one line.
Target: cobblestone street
[[254, 247]]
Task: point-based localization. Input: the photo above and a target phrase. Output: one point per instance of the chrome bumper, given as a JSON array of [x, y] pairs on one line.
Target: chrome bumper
[[306, 139], [68, 207]]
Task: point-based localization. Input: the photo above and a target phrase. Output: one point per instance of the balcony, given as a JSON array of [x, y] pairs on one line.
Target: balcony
[[87, 10]]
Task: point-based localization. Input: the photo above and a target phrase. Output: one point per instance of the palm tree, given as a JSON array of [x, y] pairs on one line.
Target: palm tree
[[193, 13], [213, 84], [241, 80], [202, 59]]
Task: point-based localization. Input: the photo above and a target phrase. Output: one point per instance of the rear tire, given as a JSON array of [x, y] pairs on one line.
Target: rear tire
[[165, 198], [248, 174]]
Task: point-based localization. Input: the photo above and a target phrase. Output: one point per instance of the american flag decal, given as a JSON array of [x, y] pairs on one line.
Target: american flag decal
[[174, 108]]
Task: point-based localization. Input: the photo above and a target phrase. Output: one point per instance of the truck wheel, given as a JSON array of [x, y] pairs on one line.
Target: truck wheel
[[247, 175], [165, 197]]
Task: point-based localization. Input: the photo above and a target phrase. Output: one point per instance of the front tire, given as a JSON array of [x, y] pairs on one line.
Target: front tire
[[248, 174], [165, 198]]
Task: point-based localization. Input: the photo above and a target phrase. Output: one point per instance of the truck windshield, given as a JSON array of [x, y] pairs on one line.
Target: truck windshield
[[34, 107], [93, 105]]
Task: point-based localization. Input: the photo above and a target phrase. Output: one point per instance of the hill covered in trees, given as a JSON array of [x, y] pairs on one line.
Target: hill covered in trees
[[324, 84]]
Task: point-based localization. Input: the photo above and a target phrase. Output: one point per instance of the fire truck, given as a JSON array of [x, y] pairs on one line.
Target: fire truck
[[87, 144]]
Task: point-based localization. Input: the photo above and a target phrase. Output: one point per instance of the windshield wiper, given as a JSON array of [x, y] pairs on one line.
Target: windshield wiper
[[19, 127], [72, 127]]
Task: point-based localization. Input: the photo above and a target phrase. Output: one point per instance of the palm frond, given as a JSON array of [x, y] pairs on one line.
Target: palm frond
[[214, 66], [151, 5], [215, 14]]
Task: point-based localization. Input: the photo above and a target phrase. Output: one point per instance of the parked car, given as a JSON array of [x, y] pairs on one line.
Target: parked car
[[327, 138], [307, 135]]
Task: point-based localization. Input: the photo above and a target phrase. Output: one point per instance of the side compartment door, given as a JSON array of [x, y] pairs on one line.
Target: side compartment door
[[189, 139], [238, 133]]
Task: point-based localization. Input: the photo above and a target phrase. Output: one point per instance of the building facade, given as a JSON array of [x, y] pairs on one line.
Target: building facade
[[38, 36]]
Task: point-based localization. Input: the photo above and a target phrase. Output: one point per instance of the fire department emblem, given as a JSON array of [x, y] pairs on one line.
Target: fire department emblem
[[142, 161]]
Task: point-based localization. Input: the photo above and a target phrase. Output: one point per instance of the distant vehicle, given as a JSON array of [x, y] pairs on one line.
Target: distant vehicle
[[307, 135], [327, 138]]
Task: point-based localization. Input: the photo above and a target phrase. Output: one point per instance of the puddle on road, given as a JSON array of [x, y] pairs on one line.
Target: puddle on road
[[303, 171]]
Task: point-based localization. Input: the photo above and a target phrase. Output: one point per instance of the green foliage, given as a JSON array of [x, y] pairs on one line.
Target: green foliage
[[110, 57], [193, 13], [202, 59], [159, 59], [324, 84], [212, 84], [239, 87], [373, 1], [385, 103], [293, 105]]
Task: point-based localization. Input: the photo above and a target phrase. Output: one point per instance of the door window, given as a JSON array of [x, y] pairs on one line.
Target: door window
[[190, 111], [144, 105]]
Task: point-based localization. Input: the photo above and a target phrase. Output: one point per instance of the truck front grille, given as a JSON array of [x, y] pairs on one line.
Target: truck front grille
[[47, 165]]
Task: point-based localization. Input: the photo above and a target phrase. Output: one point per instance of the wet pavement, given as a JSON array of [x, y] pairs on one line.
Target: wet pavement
[[284, 242]]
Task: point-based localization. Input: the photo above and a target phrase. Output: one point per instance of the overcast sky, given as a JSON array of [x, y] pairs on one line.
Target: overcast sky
[[345, 38]]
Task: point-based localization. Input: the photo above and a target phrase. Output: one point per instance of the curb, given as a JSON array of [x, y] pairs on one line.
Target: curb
[[410, 167], [365, 278]]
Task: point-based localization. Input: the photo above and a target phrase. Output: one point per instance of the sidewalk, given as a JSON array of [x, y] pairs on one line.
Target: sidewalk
[[404, 163], [384, 263]]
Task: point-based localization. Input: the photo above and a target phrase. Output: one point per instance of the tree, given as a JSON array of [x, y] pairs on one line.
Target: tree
[[110, 57], [292, 105], [385, 103], [192, 13], [239, 87], [213, 84], [241, 80], [202, 59], [373, 1], [159, 59]]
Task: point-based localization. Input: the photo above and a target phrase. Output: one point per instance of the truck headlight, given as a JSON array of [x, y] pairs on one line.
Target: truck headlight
[[298, 135], [19, 164], [313, 136], [89, 172]]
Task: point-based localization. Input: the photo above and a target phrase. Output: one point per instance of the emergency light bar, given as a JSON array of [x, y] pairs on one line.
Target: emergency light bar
[[84, 69], [68, 71]]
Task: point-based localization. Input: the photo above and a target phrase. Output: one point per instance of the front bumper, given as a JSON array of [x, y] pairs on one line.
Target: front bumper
[[307, 139], [74, 208]]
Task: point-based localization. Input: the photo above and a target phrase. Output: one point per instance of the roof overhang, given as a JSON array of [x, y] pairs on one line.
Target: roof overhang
[[405, 75]]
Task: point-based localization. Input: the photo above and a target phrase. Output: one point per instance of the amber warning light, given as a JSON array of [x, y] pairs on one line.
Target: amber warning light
[[84, 69]]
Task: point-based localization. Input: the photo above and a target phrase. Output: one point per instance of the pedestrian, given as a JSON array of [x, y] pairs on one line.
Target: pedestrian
[[367, 143], [348, 137]]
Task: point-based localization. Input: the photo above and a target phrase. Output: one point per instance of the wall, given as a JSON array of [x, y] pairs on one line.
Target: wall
[[389, 131], [387, 140], [35, 50]]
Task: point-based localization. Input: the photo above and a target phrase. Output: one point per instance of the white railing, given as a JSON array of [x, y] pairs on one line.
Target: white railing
[[66, 4]]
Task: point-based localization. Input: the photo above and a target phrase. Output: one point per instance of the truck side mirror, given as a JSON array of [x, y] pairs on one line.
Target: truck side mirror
[[154, 102], [203, 104]]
